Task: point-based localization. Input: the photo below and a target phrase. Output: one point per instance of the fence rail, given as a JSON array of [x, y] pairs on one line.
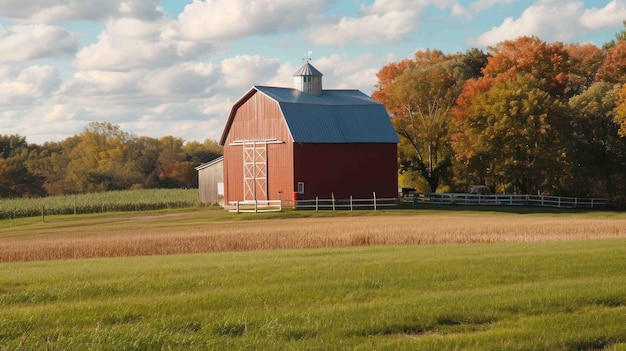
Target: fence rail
[[506, 200], [345, 204], [312, 204], [256, 206]]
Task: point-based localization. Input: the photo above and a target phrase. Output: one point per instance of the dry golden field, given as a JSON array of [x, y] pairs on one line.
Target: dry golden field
[[191, 232]]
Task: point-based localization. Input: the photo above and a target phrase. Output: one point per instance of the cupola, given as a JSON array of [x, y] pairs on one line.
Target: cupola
[[308, 79]]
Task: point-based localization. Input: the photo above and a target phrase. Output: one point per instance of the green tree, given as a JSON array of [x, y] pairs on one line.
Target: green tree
[[422, 101], [598, 152], [199, 153], [16, 180]]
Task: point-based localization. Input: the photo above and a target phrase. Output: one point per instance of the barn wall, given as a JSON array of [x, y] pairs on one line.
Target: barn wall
[[208, 179], [346, 170], [259, 118]]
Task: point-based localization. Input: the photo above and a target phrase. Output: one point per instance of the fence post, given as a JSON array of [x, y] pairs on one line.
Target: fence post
[[374, 201], [333, 198], [237, 206], [317, 203], [350, 203]]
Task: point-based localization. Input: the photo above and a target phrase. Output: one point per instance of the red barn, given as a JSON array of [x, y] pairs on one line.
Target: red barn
[[313, 142]]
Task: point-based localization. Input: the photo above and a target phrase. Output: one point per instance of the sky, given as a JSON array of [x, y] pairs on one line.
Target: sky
[[175, 67]]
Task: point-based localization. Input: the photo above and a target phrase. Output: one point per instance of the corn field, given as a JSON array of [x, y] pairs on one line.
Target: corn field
[[112, 201]]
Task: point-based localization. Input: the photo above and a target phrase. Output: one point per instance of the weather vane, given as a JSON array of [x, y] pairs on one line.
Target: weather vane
[[307, 56]]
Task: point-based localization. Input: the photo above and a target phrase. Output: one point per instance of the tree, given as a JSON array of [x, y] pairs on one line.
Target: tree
[[584, 62], [613, 69], [513, 137], [420, 99], [15, 178], [101, 161], [199, 153], [620, 111], [599, 154], [532, 56], [11, 145]]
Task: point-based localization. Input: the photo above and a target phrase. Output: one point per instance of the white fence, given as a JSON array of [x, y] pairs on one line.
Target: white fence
[[314, 204], [256, 206], [345, 204], [507, 200]]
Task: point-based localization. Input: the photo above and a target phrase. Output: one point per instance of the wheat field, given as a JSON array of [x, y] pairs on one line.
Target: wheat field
[[192, 232]]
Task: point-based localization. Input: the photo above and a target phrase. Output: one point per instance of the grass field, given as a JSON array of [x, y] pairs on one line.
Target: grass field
[[366, 281]]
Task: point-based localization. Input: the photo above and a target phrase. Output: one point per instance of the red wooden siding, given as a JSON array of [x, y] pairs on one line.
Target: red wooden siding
[[346, 170], [259, 118]]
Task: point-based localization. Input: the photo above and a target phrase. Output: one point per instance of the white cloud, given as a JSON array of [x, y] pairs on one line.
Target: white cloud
[[241, 72], [182, 78], [382, 21], [342, 72], [613, 14], [54, 11], [476, 7], [30, 84], [129, 43], [549, 20], [218, 20], [26, 42], [98, 83]]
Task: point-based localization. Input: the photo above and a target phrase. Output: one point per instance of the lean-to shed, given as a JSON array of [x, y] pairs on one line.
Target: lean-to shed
[[308, 142], [211, 181]]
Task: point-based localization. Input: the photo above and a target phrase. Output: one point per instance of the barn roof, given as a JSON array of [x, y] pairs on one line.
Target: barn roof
[[337, 116]]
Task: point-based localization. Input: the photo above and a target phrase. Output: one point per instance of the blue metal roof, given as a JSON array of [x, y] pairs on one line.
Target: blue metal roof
[[337, 116]]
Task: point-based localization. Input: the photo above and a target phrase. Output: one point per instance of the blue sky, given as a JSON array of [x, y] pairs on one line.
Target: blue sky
[[175, 67]]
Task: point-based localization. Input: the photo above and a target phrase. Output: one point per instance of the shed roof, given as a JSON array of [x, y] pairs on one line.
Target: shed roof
[[337, 116], [210, 163]]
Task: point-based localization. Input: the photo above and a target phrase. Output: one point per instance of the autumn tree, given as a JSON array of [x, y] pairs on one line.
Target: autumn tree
[[420, 99], [584, 62], [613, 69], [514, 137], [100, 160], [533, 57]]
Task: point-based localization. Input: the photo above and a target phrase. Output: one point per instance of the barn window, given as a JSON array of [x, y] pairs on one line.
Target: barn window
[[300, 187]]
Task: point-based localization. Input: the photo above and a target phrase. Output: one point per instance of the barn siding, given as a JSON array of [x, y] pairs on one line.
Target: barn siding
[[208, 179], [346, 170], [259, 118]]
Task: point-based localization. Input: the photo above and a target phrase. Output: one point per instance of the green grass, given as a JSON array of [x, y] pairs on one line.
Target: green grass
[[111, 201], [533, 296]]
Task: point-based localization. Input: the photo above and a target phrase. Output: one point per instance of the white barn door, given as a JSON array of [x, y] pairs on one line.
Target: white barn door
[[255, 171]]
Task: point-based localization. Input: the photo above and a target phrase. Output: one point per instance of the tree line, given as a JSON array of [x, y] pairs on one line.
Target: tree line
[[101, 158], [524, 117]]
